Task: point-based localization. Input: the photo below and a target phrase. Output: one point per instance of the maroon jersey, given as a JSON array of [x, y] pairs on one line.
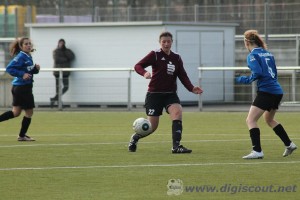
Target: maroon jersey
[[165, 70]]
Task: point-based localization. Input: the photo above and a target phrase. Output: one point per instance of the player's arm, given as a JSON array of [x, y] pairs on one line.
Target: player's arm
[[197, 90], [183, 77], [14, 68], [246, 79], [144, 63], [256, 71]]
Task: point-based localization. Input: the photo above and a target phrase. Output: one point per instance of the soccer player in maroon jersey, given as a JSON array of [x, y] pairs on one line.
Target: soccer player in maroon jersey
[[167, 66]]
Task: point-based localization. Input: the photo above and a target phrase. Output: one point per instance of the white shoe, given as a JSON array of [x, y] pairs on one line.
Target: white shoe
[[25, 138], [289, 149], [254, 155]]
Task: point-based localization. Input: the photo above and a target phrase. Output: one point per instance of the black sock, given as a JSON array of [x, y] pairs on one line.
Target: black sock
[[6, 116], [25, 124], [137, 136], [176, 132], [255, 138], [279, 130]]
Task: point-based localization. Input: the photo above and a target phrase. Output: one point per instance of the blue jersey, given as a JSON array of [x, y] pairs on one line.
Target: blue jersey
[[263, 69], [22, 63]]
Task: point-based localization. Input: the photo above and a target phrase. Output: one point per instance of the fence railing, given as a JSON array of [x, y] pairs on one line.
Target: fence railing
[[61, 70], [124, 83], [127, 83], [267, 17], [288, 74]]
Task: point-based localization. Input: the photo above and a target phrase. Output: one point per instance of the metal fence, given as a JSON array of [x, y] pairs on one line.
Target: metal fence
[[269, 17], [277, 21], [287, 76], [274, 18], [123, 88], [285, 48]]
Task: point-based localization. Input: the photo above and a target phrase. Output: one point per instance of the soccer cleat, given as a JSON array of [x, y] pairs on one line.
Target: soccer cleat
[[289, 149], [254, 155], [132, 144], [132, 147], [181, 149], [25, 138]]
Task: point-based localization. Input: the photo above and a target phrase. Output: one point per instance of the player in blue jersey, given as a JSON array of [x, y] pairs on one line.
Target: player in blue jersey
[[167, 66], [22, 68], [269, 94]]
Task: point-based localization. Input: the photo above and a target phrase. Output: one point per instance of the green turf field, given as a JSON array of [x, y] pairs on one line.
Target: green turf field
[[83, 155]]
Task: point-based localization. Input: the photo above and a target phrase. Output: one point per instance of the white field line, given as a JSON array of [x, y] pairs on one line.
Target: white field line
[[146, 165], [115, 134], [122, 134], [33, 144]]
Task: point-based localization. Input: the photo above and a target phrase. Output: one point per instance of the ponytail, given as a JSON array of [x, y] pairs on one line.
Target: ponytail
[[253, 37], [15, 46]]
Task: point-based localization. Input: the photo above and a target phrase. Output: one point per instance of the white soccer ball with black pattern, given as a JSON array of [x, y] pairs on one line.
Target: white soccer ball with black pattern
[[142, 126]]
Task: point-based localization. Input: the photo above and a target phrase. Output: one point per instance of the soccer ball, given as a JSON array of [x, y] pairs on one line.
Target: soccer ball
[[142, 126]]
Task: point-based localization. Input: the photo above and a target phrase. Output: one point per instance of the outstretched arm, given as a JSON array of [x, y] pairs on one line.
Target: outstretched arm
[[197, 90]]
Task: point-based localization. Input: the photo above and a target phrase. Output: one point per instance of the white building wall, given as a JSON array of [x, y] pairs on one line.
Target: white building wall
[[112, 45]]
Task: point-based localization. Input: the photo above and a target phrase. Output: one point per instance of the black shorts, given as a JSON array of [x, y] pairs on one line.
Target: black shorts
[[156, 102], [22, 96], [267, 101]]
